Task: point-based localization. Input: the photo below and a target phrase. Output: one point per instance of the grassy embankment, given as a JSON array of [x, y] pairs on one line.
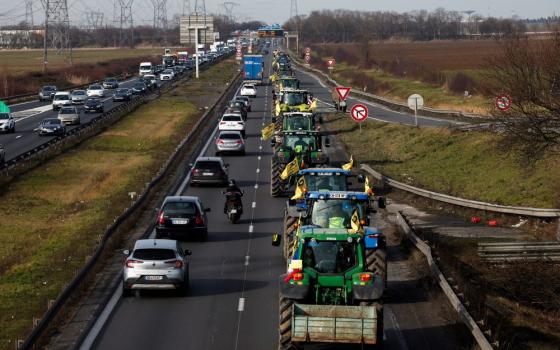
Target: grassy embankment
[[55, 212], [462, 164], [440, 70]]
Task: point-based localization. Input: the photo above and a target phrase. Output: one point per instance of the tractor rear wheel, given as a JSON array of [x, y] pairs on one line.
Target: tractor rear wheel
[[275, 185], [285, 324], [289, 235], [376, 262]]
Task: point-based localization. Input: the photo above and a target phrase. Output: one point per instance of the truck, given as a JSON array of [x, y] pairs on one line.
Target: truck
[[253, 69], [145, 68], [183, 56], [328, 295]]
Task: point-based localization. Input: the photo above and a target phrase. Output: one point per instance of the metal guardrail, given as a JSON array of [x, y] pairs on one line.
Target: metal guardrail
[[395, 105], [467, 203], [75, 284], [519, 251], [454, 300]]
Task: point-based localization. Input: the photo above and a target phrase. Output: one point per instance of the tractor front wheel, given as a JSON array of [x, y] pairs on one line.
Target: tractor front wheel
[[275, 185], [289, 235]]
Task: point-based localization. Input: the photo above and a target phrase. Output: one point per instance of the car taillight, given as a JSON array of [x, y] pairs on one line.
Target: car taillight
[[131, 262], [222, 123], [298, 276], [196, 171], [375, 235], [365, 277], [177, 263], [161, 218], [198, 219], [238, 142], [220, 142]]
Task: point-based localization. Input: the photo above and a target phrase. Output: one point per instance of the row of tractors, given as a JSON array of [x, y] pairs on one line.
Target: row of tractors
[[336, 262]]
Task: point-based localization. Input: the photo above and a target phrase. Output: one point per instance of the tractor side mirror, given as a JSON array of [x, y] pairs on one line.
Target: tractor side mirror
[[327, 142], [361, 178], [274, 119], [381, 203], [276, 238], [272, 143], [126, 252]]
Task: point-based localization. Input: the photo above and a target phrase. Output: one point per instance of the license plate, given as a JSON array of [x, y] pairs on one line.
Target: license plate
[[337, 195], [154, 278], [207, 174], [179, 222], [233, 211]]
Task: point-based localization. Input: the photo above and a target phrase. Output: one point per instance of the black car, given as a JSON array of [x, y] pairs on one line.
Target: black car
[[47, 93], [209, 170], [122, 95], [51, 127], [158, 69], [139, 87], [238, 104], [93, 104], [182, 217], [110, 83]]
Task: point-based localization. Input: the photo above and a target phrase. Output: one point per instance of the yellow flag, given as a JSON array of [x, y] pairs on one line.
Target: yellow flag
[[349, 165], [313, 104], [290, 169], [267, 132], [300, 188], [277, 109], [355, 222], [366, 185]]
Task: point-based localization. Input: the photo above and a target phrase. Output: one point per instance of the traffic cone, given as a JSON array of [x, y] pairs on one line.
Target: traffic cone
[[475, 219], [493, 223]]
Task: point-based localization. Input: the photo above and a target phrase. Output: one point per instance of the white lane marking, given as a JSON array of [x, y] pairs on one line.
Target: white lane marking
[[256, 186], [253, 205], [396, 328], [258, 170], [17, 137], [260, 147], [259, 157], [246, 260], [241, 305], [251, 228]]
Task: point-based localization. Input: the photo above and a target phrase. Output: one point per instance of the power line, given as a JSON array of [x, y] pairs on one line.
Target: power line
[[29, 13], [229, 6], [57, 29], [94, 19], [126, 22]]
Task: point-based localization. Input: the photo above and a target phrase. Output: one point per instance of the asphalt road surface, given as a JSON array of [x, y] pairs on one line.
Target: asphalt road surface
[[233, 298]]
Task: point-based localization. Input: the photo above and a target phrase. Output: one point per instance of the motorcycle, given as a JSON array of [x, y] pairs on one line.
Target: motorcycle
[[234, 206]]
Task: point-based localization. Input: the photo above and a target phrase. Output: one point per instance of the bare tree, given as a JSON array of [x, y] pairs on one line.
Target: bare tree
[[529, 72]]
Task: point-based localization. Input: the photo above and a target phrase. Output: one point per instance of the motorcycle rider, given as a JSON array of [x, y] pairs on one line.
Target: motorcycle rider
[[233, 195]]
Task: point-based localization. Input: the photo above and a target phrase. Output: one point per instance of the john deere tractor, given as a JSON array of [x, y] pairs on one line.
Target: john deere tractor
[[293, 101], [304, 146], [334, 210], [284, 82], [328, 295], [297, 121]]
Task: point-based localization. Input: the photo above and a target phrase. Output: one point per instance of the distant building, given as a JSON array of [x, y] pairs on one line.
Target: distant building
[[17, 38]]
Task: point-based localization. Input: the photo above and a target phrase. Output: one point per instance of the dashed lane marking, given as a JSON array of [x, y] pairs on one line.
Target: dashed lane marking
[[241, 305]]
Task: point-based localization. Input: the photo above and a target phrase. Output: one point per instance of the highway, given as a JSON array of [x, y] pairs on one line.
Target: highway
[[233, 298]]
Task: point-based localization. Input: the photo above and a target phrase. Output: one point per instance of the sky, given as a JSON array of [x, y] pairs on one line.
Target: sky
[[13, 11]]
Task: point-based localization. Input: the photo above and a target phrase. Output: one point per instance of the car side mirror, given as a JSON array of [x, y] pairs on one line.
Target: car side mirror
[[188, 252], [156, 209], [226, 165], [126, 252], [207, 210], [191, 165], [276, 239]]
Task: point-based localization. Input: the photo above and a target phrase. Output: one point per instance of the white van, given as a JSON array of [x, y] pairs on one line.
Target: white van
[[145, 68]]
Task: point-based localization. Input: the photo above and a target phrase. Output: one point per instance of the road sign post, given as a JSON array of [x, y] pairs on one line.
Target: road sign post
[[415, 102], [359, 114]]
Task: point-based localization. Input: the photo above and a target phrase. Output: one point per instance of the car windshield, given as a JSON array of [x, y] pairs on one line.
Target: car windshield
[[325, 182], [252, 87], [299, 143], [78, 92], [4, 115], [122, 92], [236, 104], [95, 87], [111, 80], [329, 256], [179, 208], [68, 111], [154, 254], [335, 213], [294, 98], [290, 84], [51, 122], [167, 71], [231, 118], [93, 101], [61, 97], [49, 88], [230, 136], [206, 164]]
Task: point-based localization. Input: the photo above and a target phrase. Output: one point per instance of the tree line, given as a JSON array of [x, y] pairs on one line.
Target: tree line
[[353, 26]]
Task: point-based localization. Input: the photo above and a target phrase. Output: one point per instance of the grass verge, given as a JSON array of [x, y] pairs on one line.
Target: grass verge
[[57, 211], [462, 164]]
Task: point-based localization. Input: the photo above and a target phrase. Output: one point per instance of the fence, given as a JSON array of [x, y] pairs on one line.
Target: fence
[[519, 251]]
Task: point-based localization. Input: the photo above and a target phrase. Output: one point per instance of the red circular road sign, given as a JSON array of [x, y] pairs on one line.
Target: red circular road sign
[[503, 102], [359, 113]]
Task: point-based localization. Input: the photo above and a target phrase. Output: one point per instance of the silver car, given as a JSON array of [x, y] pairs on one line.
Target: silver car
[[156, 264], [78, 96], [69, 115], [230, 141]]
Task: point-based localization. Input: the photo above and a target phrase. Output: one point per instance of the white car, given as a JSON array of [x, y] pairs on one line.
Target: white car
[[95, 90], [166, 75], [7, 123], [233, 122], [61, 99], [248, 90]]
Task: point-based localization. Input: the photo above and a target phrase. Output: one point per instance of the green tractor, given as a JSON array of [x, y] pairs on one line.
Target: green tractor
[[285, 82], [296, 121], [304, 146], [292, 100], [328, 295], [333, 210]]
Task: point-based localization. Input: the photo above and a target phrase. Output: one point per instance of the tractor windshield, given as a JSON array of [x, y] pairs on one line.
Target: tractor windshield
[[294, 98], [300, 143], [290, 84], [335, 213], [298, 123], [329, 256], [325, 182]]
